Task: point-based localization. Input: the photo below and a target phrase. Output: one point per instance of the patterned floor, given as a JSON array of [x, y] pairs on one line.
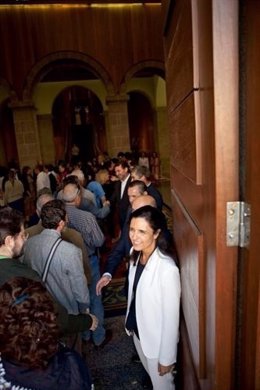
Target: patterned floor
[[114, 298], [111, 368]]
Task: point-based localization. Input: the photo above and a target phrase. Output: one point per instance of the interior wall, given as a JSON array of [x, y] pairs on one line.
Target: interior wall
[[46, 92], [153, 87], [100, 32]]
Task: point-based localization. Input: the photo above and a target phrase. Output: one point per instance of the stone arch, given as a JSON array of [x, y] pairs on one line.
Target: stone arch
[[12, 95], [142, 92], [158, 66], [43, 67]]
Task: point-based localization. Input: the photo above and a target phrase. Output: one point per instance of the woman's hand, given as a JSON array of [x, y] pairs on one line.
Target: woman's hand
[[165, 369], [94, 322]]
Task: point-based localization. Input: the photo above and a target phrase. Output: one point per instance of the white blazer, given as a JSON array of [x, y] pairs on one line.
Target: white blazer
[[157, 307]]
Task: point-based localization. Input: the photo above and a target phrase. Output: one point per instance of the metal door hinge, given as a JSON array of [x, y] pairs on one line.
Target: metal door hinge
[[238, 224]]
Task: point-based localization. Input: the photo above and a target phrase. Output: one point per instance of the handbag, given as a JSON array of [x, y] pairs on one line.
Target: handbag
[[49, 259]]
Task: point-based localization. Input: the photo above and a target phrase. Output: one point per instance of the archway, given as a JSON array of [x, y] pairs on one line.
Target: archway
[[65, 62], [78, 118], [145, 83], [141, 123], [59, 84], [8, 148]]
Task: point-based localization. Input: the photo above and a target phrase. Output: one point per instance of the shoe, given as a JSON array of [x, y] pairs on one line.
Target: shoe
[[108, 337], [135, 358]]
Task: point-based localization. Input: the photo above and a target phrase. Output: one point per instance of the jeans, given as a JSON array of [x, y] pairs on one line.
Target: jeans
[[96, 305]]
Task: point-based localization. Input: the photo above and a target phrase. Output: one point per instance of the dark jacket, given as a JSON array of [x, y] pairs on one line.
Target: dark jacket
[[11, 268], [122, 204], [66, 370]]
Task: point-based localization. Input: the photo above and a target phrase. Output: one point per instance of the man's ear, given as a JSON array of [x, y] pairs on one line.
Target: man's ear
[[61, 225], [9, 240]]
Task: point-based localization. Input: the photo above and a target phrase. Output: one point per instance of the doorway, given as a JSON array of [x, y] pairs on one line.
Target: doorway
[[78, 119]]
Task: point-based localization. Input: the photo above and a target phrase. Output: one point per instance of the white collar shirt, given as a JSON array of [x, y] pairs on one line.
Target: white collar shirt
[[123, 184]]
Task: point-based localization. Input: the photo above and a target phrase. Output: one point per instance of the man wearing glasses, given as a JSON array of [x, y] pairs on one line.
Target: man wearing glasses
[[12, 239]]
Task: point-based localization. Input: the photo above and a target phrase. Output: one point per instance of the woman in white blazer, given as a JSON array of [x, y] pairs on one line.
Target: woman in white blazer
[[153, 298]]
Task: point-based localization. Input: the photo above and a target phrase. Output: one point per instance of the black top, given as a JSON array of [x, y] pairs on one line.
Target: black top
[[131, 323]]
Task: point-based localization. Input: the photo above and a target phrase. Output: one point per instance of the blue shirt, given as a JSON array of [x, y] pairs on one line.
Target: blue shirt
[[97, 189]]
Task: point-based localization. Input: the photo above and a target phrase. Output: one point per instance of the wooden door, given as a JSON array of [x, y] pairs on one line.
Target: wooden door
[[201, 55], [248, 368]]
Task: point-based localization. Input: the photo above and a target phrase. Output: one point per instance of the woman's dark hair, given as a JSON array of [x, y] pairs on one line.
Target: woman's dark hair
[[10, 223], [152, 215], [156, 220], [28, 328]]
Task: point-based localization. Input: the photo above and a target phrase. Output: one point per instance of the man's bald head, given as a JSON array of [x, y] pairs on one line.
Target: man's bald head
[[70, 193], [143, 200]]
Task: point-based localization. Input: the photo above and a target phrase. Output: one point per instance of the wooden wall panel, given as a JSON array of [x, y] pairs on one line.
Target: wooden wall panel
[[249, 370], [191, 250], [179, 51], [203, 178], [116, 37], [186, 141]]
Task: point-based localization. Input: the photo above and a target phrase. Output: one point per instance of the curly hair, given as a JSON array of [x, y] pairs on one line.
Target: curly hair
[[28, 327]]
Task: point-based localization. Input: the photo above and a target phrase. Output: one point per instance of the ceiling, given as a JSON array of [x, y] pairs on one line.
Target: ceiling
[[75, 2]]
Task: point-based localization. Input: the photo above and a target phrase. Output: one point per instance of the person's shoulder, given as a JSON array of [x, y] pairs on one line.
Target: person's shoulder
[[11, 268], [91, 184], [34, 238], [69, 234], [34, 229], [87, 215], [167, 259], [69, 247]]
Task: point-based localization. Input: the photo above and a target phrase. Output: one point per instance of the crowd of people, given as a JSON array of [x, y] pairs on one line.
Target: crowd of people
[[54, 223]]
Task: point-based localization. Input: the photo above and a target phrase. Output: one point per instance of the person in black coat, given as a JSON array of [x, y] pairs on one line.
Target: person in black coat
[[143, 173], [119, 199]]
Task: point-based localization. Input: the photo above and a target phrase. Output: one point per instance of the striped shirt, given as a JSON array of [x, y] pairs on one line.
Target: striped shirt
[[85, 223]]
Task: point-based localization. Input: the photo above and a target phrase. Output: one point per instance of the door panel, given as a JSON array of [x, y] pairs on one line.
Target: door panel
[[187, 141], [202, 89], [191, 251], [249, 359]]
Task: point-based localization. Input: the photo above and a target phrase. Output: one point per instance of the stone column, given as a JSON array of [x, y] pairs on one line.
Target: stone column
[[117, 125], [26, 131], [46, 138]]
